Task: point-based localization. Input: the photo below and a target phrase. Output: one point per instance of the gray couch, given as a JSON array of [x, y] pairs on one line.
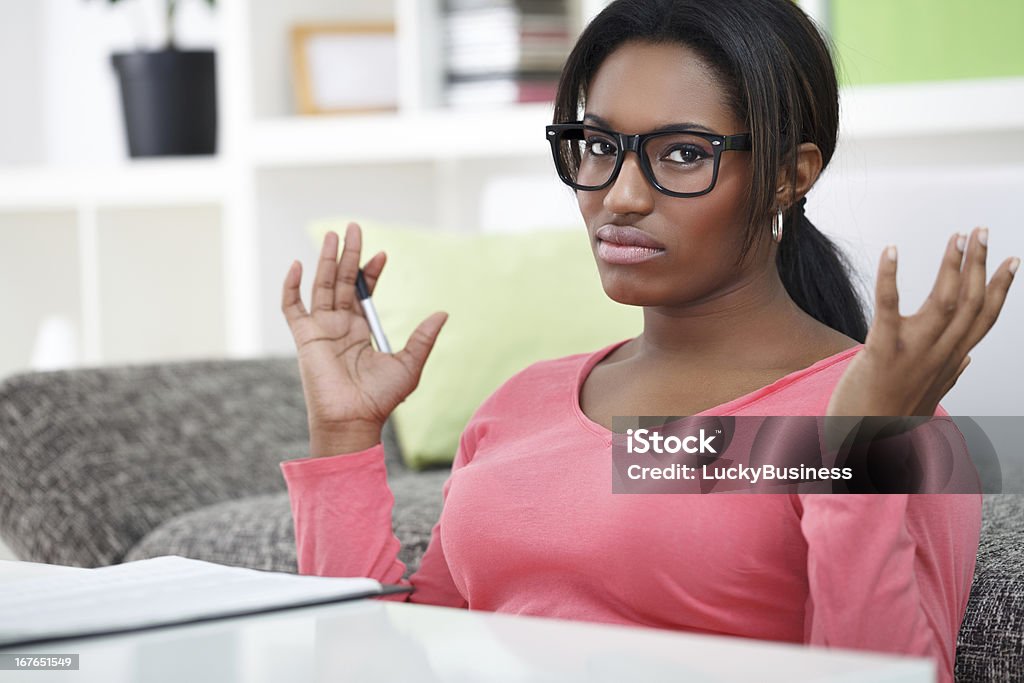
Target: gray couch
[[105, 465]]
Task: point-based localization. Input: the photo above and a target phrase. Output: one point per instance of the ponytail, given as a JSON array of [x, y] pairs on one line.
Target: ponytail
[[817, 276]]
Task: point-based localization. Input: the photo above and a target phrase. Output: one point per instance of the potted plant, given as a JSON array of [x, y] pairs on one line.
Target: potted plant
[[168, 96]]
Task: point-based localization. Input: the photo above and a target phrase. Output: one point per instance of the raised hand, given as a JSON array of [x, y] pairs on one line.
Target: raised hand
[[350, 388], [909, 363]]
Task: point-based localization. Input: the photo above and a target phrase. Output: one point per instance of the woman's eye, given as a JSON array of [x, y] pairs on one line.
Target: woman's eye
[[598, 147], [687, 154]]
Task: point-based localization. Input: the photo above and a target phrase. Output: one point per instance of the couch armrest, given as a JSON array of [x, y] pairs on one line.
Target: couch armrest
[[990, 646], [93, 459]]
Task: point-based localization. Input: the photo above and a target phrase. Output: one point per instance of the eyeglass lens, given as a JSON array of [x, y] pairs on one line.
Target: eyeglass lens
[[680, 162]]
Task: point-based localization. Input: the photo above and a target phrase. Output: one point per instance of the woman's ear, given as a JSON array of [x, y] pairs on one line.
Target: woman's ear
[[789, 188]]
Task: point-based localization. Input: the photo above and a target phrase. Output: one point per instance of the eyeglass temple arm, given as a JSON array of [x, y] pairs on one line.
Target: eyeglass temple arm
[[741, 141]]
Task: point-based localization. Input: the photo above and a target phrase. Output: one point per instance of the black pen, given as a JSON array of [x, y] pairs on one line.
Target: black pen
[[371, 313]]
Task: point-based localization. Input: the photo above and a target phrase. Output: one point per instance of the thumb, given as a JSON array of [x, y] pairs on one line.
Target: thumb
[[952, 380], [963, 366], [421, 342]]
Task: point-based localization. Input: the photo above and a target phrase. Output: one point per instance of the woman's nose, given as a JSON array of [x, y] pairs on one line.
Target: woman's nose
[[630, 192]]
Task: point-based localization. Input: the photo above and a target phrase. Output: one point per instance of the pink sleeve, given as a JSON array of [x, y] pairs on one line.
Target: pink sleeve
[[863, 577], [342, 507], [879, 582]]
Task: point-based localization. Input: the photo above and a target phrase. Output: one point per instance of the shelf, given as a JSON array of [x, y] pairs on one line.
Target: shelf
[[903, 110], [921, 109], [175, 181], [429, 135]]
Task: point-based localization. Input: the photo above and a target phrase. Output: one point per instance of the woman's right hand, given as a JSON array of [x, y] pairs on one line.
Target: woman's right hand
[[350, 388]]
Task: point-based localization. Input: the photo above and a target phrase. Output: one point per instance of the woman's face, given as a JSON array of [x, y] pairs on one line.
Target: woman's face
[[638, 88]]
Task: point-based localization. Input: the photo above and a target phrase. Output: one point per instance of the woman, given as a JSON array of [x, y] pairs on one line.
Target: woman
[[748, 309]]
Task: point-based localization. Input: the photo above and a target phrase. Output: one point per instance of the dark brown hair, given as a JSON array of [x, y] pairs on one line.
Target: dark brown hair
[[777, 75]]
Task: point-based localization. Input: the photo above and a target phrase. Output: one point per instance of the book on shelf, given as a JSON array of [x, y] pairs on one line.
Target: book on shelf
[[499, 90], [503, 21], [506, 63], [501, 51]]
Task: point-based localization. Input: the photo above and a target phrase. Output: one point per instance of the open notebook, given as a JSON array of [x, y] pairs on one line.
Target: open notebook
[[158, 592]]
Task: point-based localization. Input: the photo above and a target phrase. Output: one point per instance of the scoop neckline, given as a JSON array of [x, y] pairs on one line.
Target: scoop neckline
[[726, 408]]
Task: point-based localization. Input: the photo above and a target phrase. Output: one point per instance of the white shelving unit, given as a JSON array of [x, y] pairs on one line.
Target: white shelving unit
[[428, 135], [125, 236], [183, 258], [175, 181]]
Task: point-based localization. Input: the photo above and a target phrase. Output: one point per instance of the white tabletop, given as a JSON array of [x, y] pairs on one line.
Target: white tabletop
[[377, 640]]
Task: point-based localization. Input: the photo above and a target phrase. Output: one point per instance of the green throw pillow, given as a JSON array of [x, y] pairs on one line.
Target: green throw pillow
[[512, 299]]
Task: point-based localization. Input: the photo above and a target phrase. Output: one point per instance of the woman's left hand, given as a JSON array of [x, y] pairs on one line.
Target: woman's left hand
[[909, 363]]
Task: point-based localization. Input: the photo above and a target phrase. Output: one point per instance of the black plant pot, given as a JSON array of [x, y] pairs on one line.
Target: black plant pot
[[169, 100]]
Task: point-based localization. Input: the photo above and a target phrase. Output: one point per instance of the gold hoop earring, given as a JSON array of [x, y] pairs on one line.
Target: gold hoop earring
[[777, 227]]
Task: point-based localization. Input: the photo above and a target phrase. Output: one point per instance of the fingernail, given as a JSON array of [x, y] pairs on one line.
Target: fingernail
[[1014, 264], [961, 242], [891, 252], [983, 237]]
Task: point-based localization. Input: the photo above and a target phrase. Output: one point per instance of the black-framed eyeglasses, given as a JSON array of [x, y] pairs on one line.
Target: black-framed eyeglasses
[[678, 162]]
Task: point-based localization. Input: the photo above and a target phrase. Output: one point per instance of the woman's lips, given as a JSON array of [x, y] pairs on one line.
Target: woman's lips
[[625, 254], [625, 244]]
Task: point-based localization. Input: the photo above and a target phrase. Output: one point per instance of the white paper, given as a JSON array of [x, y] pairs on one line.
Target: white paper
[[158, 591]]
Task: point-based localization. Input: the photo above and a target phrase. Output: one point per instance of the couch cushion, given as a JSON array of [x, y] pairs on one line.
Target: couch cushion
[[258, 532], [254, 532], [92, 460], [990, 646]]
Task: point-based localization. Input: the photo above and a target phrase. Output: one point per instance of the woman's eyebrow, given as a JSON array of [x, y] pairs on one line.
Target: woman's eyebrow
[[685, 124]]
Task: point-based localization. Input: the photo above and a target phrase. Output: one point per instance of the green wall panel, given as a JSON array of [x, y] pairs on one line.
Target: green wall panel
[[894, 41]]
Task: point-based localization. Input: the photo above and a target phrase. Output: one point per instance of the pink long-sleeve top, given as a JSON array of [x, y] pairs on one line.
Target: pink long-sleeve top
[[530, 526]]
